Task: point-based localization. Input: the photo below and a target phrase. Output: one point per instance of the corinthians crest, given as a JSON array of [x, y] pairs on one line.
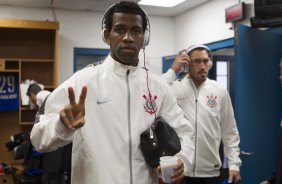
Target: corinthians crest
[[212, 101], [150, 105]]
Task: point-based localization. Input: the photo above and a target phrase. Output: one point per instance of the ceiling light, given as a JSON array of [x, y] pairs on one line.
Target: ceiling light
[[162, 3]]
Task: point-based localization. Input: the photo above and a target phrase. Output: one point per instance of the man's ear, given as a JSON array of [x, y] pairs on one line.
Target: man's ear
[[32, 95], [33, 98], [107, 36]]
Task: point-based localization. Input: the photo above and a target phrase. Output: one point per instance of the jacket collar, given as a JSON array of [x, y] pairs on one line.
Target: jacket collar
[[201, 86], [117, 67]]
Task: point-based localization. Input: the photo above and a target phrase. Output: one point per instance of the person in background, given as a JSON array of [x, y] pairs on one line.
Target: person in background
[[55, 166], [208, 105], [103, 110], [36, 94]]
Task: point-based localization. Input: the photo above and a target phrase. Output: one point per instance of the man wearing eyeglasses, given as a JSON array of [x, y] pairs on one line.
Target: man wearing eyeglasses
[[207, 104]]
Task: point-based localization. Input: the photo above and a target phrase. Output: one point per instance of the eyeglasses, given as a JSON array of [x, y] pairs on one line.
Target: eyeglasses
[[199, 61]]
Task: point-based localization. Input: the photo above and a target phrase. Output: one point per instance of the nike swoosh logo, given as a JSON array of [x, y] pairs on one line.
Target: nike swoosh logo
[[103, 101]]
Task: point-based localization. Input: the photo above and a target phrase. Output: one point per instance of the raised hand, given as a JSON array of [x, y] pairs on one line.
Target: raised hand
[[181, 59], [72, 116], [234, 176]]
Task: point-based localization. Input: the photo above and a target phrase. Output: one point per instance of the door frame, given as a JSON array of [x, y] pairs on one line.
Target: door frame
[[87, 52]]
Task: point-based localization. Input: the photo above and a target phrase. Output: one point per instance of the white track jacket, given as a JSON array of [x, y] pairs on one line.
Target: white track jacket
[[106, 149], [210, 110]]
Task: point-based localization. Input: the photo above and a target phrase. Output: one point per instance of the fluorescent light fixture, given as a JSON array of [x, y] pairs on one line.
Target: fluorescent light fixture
[[162, 3]]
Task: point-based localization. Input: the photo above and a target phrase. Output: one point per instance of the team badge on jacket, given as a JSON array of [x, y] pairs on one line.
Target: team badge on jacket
[[212, 101], [150, 106]]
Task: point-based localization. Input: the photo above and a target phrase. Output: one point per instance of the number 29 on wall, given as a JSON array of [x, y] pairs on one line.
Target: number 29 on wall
[[7, 84]]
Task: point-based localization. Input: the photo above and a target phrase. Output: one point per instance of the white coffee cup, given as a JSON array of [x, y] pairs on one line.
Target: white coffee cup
[[167, 164]]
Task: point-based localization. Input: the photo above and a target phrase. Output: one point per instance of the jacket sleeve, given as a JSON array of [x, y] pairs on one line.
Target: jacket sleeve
[[230, 134], [174, 115], [169, 77], [49, 133]]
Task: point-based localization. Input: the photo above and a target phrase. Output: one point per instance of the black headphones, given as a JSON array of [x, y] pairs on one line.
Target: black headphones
[[146, 32], [193, 47]]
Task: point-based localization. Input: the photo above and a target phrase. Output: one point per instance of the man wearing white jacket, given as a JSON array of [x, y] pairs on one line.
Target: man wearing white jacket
[[103, 110], [207, 104]]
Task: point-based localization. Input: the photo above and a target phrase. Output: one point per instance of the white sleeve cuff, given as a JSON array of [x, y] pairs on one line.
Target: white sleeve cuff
[[169, 76], [234, 168], [62, 131]]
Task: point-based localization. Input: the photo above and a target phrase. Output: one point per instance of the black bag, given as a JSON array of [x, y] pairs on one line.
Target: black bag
[[160, 139], [55, 166]]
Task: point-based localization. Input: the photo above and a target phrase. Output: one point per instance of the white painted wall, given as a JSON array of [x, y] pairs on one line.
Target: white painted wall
[[161, 42], [205, 24], [83, 29]]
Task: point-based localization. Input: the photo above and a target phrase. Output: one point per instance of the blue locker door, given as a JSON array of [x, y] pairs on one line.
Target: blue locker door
[[258, 101]]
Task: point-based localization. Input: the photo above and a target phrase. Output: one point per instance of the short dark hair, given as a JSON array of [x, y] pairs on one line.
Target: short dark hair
[[124, 7], [33, 89]]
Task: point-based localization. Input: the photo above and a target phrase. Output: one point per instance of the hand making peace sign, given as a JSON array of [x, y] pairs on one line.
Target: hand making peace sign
[[72, 116]]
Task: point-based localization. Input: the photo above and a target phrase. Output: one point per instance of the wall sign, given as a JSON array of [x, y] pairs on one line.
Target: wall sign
[[9, 92], [234, 13]]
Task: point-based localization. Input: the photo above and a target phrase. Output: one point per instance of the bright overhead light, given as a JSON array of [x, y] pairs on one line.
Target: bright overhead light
[[162, 3]]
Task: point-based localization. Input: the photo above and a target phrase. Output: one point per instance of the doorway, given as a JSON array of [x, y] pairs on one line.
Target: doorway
[[85, 56]]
